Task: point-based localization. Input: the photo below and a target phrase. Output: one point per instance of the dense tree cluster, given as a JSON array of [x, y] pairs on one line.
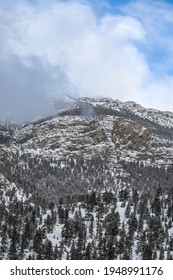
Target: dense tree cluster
[[79, 209]]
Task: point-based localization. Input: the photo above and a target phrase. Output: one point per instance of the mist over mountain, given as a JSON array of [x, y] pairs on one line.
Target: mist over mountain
[[28, 88], [84, 48]]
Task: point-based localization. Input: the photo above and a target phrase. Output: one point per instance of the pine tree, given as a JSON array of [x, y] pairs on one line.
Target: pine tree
[[48, 251], [55, 253], [161, 255], [38, 244], [88, 252], [147, 252]]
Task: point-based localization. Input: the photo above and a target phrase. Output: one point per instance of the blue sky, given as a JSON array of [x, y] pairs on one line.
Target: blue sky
[[118, 49]]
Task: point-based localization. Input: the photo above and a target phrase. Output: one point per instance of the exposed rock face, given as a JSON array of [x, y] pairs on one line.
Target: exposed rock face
[[131, 134]]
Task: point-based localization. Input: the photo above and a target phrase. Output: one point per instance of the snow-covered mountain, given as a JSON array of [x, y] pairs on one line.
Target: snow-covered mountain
[[109, 128], [98, 161]]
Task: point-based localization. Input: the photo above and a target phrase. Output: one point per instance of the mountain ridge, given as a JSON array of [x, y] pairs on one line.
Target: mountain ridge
[[101, 126]]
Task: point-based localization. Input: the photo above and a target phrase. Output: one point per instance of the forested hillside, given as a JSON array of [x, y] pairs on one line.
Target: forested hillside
[[94, 182], [77, 210]]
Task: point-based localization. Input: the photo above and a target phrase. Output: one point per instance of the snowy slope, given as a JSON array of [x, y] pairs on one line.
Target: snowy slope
[[97, 161]]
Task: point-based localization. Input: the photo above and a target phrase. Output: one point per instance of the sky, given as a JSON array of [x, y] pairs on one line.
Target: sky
[[117, 49]]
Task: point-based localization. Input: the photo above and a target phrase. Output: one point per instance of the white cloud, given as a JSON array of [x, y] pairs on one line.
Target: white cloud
[[69, 47], [156, 18]]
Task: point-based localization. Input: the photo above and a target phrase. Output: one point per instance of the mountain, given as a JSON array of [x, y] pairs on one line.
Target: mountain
[[104, 127], [92, 182]]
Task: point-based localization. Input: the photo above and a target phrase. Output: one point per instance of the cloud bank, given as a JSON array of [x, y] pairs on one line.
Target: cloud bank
[[48, 48]]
